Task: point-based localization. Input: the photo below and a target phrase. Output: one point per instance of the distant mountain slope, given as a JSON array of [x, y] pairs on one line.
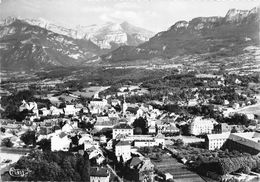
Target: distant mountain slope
[[24, 47], [107, 36], [226, 35]]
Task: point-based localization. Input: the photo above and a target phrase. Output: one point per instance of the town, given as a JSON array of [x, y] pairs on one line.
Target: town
[[181, 127]]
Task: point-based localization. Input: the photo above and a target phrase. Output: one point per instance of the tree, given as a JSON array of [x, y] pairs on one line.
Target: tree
[[2, 130], [7, 142], [246, 169], [54, 166], [179, 142], [138, 131], [141, 123], [29, 138], [45, 144], [86, 168]]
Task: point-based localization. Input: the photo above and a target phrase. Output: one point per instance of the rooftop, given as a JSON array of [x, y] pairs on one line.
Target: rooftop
[[100, 172], [122, 126], [120, 143], [218, 136]]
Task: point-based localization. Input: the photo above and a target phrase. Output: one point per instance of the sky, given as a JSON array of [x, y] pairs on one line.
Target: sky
[[154, 15]]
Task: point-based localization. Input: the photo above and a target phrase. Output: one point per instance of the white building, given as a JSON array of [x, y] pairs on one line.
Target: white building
[[60, 142], [56, 111], [216, 141], [145, 143], [201, 126], [70, 110], [98, 103], [123, 149], [122, 129]]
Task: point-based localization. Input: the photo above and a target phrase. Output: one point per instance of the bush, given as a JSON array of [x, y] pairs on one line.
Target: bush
[[45, 144], [29, 138], [7, 142]]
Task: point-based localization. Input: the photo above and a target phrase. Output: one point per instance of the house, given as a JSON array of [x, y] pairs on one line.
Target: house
[[235, 106], [110, 123], [44, 111], [140, 169], [159, 139], [145, 143], [200, 126], [109, 144], [224, 127], [99, 174], [96, 154], [170, 129], [31, 106], [122, 129], [28, 106], [216, 141], [60, 142], [115, 102], [123, 150], [67, 128], [70, 110], [237, 81], [99, 103], [151, 130], [102, 119], [56, 111]]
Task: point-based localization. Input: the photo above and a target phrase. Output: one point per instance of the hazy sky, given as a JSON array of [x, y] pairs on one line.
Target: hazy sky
[[155, 15]]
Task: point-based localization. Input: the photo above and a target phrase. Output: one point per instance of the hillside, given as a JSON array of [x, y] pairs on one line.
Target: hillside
[[24, 47]]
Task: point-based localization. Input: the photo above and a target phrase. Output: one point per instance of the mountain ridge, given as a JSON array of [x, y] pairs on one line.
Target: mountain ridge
[[107, 36], [199, 35]]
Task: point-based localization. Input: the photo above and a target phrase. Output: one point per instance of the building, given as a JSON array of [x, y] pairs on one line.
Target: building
[[216, 141], [70, 110], [31, 106], [248, 142], [122, 129], [201, 126], [100, 103], [60, 142], [145, 143], [140, 169], [99, 174], [123, 150], [110, 123]]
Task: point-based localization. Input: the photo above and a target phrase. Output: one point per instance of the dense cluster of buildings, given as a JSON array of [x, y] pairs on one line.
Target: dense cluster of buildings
[[106, 125]]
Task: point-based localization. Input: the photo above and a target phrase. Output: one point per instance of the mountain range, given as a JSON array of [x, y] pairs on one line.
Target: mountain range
[[106, 36], [227, 35], [36, 43]]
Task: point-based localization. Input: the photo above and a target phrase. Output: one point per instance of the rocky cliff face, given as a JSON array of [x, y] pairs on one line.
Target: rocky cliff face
[[112, 35], [238, 29], [108, 36]]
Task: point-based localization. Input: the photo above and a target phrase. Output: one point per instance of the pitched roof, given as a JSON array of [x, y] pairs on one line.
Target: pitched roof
[[218, 136], [120, 143], [122, 126], [62, 134], [135, 161], [100, 172]]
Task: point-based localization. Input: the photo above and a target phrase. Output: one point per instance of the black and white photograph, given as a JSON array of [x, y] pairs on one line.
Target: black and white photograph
[[130, 90]]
